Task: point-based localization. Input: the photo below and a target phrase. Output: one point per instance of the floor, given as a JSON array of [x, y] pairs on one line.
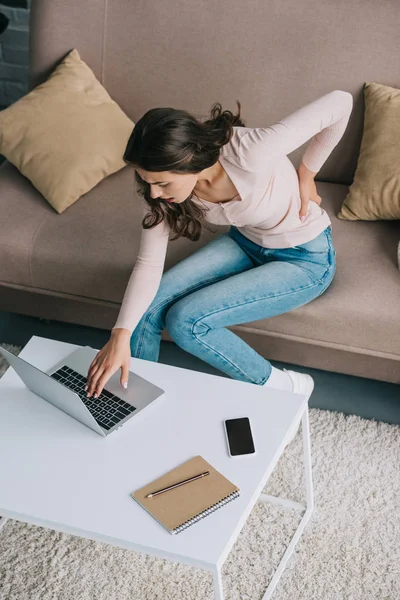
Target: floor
[[366, 398]]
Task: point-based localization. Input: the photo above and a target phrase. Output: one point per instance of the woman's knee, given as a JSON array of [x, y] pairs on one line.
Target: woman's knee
[[179, 322], [155, 315], [151, 321]]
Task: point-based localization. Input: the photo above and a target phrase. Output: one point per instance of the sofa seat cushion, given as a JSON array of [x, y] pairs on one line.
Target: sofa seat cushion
[[89, 251], [360, 311]]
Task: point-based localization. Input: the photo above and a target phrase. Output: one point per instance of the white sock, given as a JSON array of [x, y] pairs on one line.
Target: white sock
[[279, 380]]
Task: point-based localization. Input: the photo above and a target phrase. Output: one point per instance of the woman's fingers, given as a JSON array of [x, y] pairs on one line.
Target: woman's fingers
[[99, 379], [92, 377], [96, 374], [91, 371], [102, 381], [93, 382], [304, 208], [109, 359], [305, 203], [93, 365]]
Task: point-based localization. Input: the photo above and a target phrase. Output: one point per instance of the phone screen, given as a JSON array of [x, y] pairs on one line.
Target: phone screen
[[239, 435]]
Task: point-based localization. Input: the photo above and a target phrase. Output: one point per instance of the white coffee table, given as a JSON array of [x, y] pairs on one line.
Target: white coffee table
[[57, 473]]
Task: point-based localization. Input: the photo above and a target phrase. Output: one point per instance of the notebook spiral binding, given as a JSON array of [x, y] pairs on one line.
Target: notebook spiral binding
[[206, 512]]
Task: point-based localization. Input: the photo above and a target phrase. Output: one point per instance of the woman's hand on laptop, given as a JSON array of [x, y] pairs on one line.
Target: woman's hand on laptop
[[114, 355]]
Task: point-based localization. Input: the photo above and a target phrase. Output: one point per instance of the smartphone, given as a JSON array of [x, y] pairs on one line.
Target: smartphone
[[239, 436]]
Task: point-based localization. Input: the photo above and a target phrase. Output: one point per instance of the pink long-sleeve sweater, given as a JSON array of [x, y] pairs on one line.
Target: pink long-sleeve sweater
[[267, 207]]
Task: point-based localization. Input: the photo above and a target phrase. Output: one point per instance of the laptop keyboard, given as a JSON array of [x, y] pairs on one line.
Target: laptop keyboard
[[107, 409]]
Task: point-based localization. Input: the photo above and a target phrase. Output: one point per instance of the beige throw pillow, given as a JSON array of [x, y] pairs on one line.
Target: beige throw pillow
[[66, 135], [375, 191]]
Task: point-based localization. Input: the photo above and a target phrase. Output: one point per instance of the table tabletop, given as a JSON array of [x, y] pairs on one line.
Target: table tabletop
[[57, 473]]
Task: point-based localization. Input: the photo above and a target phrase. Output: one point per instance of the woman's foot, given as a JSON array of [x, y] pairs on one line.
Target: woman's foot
[[298, 383], [292, 381], [302, 383]]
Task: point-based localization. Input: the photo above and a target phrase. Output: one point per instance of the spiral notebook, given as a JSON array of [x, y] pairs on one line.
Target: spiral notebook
[[183, 506]]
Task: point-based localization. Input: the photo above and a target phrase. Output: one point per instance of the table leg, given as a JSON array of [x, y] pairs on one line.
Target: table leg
[[219, 592], [308, 508]]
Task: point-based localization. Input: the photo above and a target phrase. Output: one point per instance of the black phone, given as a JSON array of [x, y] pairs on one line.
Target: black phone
[[239, 436]]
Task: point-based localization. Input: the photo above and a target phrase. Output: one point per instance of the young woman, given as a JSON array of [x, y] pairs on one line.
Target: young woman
[[277, 255]]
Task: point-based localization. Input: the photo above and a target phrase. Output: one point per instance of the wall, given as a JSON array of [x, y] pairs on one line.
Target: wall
[[14, 51]]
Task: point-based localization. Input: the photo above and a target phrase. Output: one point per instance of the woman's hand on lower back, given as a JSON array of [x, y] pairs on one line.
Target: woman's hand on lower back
[[116, 354], [308, 189]]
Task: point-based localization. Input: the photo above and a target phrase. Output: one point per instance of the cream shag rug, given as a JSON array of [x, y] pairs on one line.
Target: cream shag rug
[[349, 550]]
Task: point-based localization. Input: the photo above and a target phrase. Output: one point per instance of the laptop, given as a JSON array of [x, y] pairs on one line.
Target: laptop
[[64, 386]]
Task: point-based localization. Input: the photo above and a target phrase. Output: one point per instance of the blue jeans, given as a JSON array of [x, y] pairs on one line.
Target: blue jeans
[[229, 281]]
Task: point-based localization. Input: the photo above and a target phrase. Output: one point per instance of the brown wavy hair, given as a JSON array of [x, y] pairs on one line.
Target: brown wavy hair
[[168, 139]]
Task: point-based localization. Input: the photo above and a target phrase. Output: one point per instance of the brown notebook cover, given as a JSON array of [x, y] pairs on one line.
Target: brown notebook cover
[[183, 506]]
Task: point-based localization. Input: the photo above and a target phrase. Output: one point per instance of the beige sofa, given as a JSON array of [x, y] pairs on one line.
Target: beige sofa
[[274, 58]]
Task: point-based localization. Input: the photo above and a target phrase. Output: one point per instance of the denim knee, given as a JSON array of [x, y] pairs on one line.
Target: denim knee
[[146, 337], [148, 324], [179, 325], [152, 319]]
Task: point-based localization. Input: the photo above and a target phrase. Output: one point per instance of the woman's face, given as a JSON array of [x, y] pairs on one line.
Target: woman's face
[[169, 186]]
